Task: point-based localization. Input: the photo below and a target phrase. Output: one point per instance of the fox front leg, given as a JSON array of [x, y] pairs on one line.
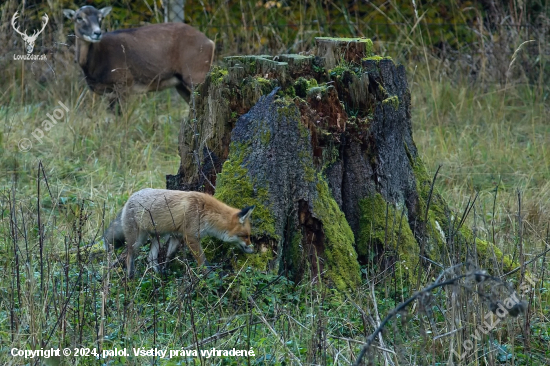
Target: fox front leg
[[194, 245]]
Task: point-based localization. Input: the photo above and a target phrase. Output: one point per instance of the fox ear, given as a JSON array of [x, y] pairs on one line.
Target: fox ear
[[245, 213]]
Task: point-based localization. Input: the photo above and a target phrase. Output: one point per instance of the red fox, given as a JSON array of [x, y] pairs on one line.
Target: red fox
[[185, 216]]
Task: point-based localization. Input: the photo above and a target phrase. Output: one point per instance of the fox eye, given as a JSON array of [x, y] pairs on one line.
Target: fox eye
[[79, 18]]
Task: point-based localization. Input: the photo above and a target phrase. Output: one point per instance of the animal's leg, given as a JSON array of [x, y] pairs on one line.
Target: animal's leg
[[173, 245], [184, 92], [118, 97], [194, 245], [138, 239], [152, 258], [114, 106]]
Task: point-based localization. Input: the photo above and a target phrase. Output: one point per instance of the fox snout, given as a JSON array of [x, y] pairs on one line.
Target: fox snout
[[243, 244], [248, 249]]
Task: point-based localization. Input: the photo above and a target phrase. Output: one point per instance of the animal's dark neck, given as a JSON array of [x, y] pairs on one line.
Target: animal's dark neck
[[83, 51]]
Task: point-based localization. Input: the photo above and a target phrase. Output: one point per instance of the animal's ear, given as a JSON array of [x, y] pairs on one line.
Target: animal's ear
[[105, 11], [245, 213], [69, 13]]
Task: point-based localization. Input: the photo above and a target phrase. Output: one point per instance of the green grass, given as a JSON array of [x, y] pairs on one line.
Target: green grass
[[93, 154], [486, 139]]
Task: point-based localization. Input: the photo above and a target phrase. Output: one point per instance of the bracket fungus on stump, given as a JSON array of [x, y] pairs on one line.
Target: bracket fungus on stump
[[323, 146]]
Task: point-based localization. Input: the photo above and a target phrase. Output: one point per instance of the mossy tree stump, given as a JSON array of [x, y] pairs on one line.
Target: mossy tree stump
[[327, 157]]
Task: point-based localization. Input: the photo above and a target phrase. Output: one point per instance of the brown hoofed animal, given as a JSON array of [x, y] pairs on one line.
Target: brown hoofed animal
[[185, 216], [149, 58]]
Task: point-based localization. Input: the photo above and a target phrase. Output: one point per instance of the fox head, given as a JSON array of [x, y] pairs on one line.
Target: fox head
[[240, 232]]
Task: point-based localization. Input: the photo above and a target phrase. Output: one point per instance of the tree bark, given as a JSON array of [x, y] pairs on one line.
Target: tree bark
[[323, 146]]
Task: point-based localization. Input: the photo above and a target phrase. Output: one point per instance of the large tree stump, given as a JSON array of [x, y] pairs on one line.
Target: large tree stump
[[323, 146]]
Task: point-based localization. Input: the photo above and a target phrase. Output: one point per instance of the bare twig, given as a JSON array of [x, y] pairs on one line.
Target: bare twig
[[479, 276], [293, 356]]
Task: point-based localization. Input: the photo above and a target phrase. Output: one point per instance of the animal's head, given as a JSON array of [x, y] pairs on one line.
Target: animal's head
[[240, 233], [29, 39], [87, 22]]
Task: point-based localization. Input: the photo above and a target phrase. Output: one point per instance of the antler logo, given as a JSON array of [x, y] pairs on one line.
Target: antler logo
[[29, 40]]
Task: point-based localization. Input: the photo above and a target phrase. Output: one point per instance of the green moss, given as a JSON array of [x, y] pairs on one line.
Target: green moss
[[369, 46], [393, 101], [259, 260], [252, 88], [390, 232], [293, 254], [331, 154], [265, 136], [341, 258], [217, 75], [309, 174], [304, 132], [338, 70], [236, 188], [302, 85], [217, 251], [376, 58], [437, 224], [317, 91], [305, 155], [295, 250], [383, 91], [287, 108], [486, 249], [290, 92], [263, 82]]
